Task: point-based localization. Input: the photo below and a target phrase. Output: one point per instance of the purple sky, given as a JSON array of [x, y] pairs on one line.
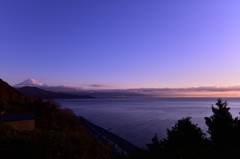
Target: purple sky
[[122, 43]]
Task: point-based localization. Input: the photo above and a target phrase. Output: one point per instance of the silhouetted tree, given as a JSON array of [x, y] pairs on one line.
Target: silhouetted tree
[[224, 130], [154, 148], [184, 140]]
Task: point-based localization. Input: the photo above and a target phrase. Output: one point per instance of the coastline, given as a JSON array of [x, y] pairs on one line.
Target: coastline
[[117, 144]]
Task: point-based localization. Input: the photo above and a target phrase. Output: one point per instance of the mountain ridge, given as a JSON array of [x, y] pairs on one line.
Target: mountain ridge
[[34, 83], [98, 93], [34, 92]]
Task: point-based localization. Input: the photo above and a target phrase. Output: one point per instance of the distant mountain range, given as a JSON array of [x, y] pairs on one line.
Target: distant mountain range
[[33, 88], [111, 93], [35, 92], [35, 83]]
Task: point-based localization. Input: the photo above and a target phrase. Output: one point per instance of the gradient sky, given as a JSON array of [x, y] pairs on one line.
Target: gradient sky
[[121, 43]]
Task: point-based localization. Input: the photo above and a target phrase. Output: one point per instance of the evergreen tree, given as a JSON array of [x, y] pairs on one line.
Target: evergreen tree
[[184, 140], [154, 148], [223, 129]]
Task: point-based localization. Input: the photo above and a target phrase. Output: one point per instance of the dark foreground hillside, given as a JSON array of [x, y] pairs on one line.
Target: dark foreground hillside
[[57, 134]]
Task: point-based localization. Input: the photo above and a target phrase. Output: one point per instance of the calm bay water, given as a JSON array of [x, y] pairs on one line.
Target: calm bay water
[[138, 119]]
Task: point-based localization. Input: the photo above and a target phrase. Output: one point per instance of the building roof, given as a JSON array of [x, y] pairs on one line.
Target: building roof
[[17, 117]]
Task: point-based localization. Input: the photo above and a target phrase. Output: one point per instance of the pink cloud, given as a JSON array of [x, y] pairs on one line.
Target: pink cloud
[[98, 85], [211, 91]]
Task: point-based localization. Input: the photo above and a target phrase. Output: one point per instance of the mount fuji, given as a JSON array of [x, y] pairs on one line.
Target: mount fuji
[[77, 90], [31, 83], [35, 83], [33, 88]]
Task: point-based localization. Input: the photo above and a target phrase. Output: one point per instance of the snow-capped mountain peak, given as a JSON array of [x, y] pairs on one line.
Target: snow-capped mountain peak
[[34, 83], [30, 82]]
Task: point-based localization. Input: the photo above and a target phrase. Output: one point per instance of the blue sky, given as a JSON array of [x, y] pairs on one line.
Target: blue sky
[[122, 43]]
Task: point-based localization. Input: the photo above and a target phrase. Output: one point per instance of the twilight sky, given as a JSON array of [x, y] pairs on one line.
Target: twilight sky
[[121, 44]]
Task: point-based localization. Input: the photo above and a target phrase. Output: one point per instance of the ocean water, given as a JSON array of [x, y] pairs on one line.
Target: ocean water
[[139, 119]]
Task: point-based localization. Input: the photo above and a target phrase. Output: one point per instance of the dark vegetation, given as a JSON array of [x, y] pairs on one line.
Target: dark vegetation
[[34, 92], [186, 140], [58, 133]]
